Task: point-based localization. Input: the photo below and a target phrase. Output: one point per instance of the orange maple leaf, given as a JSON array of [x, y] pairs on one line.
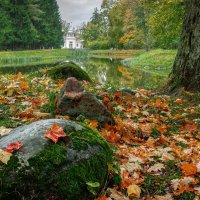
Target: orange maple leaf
[[188, 169], [55, 133]]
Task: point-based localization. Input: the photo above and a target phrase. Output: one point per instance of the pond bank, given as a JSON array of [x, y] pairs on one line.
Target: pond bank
[[157, 61], [115, 54]]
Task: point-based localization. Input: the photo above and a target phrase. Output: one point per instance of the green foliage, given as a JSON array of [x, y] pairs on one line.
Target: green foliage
[[135, 24], [97, 44], [30, 24], [166, 22]]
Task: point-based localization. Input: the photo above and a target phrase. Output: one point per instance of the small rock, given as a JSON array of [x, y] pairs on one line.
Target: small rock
[[73, 101]]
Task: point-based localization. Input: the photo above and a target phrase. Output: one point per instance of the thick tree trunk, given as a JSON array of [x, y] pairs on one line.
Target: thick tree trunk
[[186, 69]]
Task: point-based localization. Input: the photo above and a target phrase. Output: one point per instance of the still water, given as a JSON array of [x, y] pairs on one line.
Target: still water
[[107, 72]]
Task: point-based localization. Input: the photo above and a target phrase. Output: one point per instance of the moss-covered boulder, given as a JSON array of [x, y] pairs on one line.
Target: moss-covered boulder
[[65, 70], [74, 168]]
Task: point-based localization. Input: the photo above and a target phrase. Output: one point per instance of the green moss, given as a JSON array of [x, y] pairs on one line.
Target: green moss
[[66, 70], [62, 169]]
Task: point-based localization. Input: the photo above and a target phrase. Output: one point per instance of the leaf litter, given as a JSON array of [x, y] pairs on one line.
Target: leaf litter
[[157, 137]]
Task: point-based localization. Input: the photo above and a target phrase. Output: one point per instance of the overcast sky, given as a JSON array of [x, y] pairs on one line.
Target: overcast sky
[[77, 11]]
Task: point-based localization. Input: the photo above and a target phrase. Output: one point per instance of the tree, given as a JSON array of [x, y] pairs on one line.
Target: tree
[[135, 26], [165, 22], [5, 23], [51, 25], [65, 28], [116, 25], [30, 24], [186, 68]]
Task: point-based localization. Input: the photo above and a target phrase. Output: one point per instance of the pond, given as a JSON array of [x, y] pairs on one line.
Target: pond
[[107, 71]]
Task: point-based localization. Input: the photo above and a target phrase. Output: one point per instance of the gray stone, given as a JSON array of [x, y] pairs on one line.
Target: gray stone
[[41, 169]]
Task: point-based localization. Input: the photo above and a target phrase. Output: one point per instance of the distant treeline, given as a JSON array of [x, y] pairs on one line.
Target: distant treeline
[[129, 24], [30, 24]]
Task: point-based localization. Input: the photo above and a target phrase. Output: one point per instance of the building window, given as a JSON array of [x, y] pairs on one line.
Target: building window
[[70, 44], [76, 44]]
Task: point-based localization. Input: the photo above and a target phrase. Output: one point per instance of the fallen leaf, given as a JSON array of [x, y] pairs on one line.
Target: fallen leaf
[[189, 128], [146, 128], [183, 189], [13, 147], [24, 85], [165, 197], [4, 130], [186, 181], [103, 197], [134, 191], [93, 124], [114, 194], [155, 168], [188, 169], [118, 94], [178, 101], [55, 133], [106, 100], [5, 156]]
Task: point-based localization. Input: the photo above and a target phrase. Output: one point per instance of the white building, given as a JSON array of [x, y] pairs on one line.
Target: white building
[[72, 42]]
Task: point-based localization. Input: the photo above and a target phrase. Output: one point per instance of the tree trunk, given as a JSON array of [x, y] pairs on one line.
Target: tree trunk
[[186, 68]]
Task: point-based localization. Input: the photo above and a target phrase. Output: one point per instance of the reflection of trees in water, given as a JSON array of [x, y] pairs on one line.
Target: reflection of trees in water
[[116, 74], [149, 80]]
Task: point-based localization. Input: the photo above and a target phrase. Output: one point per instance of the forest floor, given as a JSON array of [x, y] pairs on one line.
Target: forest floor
[[157, 137]]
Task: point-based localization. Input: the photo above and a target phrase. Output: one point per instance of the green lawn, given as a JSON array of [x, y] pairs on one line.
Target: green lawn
[[157, 61], [23, 58]]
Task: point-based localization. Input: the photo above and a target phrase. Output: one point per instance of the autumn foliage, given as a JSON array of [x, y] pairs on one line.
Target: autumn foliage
[[157, 137]]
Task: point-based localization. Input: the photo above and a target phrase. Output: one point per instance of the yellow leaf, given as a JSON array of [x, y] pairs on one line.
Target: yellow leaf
[[4, 156], [134, 191]]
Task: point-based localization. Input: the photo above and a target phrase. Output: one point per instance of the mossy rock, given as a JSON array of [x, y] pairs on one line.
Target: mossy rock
[[74, 168], [68, 69]]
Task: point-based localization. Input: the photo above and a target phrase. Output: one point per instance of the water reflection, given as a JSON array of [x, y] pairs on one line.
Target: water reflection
[[113, 72], [106, 71]]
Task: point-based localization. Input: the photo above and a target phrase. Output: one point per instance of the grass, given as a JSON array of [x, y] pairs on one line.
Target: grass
[[120, 54], [38, 57], [34, 57], [157, 61]]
